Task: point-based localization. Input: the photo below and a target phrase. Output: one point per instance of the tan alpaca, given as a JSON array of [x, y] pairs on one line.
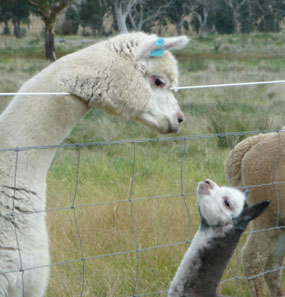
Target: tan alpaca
[[258, 163]]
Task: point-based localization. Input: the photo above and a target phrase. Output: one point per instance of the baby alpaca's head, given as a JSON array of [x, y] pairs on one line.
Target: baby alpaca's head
[[219, 206]]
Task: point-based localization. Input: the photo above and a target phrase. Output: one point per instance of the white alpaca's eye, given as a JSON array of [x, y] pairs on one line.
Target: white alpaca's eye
[[227, 203], [157, 81]]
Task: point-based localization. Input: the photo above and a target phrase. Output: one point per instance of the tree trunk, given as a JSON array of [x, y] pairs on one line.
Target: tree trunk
[[179, 27], [83, 30], [17, 29], [93, 29], [203, 21], [121, 20], [6, 30], [49, 42], [203, 29]]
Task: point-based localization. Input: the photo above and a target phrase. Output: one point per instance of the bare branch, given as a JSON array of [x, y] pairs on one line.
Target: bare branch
[[133, 22], [151, 16], [34, 3], [58, 9], [234, 5], [130, 5]]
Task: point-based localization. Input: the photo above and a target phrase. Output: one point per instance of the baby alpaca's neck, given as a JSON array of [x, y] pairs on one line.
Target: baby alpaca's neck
[[204, 263]]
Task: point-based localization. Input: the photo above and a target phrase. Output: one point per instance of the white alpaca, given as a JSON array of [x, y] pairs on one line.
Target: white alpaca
[[224, 216], [121, 76]]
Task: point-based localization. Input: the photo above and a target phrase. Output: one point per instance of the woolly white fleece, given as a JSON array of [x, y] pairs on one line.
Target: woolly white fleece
[[107, 75]]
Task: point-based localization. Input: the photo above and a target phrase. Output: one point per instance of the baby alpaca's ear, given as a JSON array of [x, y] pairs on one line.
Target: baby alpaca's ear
[[156, 47], [253, 211]]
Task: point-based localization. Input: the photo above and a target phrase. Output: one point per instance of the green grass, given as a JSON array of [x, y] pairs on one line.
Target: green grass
[[161, 168], [105, 176]]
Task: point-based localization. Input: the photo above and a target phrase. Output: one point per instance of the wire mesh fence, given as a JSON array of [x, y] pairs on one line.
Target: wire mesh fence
[[126, 211]]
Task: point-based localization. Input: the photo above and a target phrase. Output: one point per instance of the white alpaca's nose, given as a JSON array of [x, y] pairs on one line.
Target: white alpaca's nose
[[180, 117]]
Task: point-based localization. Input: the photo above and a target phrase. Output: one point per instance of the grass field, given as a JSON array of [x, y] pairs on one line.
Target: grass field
[[162, 170]]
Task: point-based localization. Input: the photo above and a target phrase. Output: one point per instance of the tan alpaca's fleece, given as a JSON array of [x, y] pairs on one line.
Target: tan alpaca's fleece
[[258, 163]]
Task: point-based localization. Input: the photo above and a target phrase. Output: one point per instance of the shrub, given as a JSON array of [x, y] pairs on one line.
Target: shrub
[[236, 117], [70, 23], [224, 21]]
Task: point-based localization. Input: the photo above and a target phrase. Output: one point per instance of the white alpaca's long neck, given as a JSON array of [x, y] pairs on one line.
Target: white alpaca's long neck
[[204, 263], [35, 121]]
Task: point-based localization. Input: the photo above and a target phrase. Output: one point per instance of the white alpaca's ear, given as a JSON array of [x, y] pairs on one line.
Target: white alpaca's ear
[[156, 47], [176, 42]]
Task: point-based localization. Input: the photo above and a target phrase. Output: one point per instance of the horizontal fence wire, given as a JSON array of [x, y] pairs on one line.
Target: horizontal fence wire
[[36, 94], [176, 89], [137, 251], [151, 140]]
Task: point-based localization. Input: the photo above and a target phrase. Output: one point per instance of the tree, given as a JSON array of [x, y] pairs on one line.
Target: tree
[[5, 15], [240, 10], [122, 9], [49, 10], [203, 15], [136, 14], [91, 14], [20, 11], [72, 18], [269, 14], [243, 15], [16, 11], [177, 10], [224, 19], [147, 12]]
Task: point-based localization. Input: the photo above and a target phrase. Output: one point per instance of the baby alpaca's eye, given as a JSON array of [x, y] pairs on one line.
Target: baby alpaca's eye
[[157, 82], [227, 203]]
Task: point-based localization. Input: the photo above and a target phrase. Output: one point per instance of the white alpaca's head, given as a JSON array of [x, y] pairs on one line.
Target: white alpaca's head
[[162, 111], [132, 75]]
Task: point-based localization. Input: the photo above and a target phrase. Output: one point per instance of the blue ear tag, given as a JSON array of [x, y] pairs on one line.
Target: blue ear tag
[[159, 51]]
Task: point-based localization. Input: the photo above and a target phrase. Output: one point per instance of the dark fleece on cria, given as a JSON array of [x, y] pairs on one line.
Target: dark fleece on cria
[[210, 265]]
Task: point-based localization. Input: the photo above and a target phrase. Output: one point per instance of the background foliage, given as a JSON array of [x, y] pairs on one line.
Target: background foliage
[[203, 16]]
